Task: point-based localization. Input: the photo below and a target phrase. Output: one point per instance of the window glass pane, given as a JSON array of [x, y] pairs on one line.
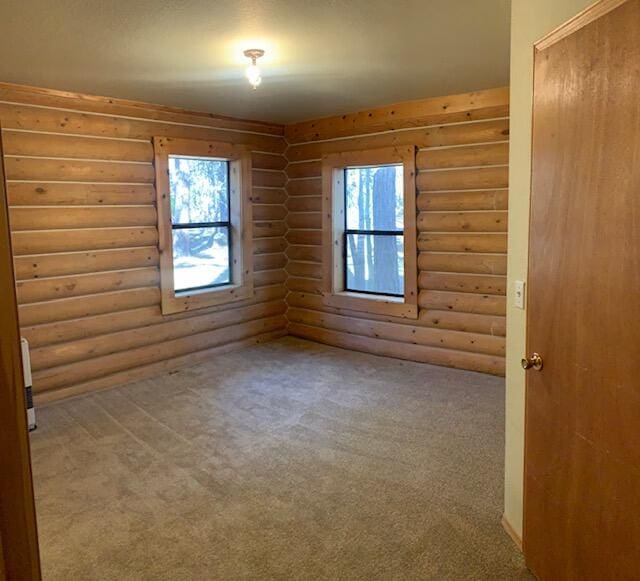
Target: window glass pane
[[375, 263], [199, 190], [374, 197], [200, 257]]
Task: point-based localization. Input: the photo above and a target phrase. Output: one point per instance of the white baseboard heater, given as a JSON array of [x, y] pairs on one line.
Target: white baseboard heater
[[28, 382]]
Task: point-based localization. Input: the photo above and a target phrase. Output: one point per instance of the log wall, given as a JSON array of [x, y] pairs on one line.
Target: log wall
[[83, 219], [84, 232], [462, 164]]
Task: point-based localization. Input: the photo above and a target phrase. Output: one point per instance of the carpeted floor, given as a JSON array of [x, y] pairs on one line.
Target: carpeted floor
[[288, 460]]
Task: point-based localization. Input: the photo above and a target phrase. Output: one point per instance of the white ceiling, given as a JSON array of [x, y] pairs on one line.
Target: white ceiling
[[323, 57]]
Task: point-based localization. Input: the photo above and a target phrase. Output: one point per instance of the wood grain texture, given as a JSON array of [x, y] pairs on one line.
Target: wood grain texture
[[33, 118], [84, 223], [65, 263], [99, 324], [460, 232], [436, 136], [582, 457], [465, 156], [492, 103], [109, 106], [20, 557], [66, 194]]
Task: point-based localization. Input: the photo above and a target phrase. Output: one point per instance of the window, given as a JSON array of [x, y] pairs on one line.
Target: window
[[204, 223], [369, 231], [200, 223], [374, 229]]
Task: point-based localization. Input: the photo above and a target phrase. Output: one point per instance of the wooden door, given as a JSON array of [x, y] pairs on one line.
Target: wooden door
[[19, 558], [582, 457]]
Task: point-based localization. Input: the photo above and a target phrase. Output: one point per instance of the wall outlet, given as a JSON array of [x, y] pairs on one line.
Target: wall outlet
[[518, 293]]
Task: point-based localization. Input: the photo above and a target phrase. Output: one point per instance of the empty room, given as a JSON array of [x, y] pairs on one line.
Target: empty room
[[320, 290]]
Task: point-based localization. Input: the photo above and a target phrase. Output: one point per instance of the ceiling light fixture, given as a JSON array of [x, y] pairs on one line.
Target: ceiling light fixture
[[253, 72]]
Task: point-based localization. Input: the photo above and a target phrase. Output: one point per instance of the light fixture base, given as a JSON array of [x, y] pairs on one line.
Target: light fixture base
[[254, 53]]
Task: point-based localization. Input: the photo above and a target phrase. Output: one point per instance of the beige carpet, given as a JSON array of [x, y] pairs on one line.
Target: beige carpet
[[289, 460]]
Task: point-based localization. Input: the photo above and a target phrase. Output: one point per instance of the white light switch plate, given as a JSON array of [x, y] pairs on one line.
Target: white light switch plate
[[518, 294]]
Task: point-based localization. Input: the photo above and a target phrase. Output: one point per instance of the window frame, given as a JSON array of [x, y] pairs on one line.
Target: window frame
[[363, 232], [201, 225], [240, 224], [334, 228]]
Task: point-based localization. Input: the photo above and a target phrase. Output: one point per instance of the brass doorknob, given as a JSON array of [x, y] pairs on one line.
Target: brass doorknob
[[535, 362]]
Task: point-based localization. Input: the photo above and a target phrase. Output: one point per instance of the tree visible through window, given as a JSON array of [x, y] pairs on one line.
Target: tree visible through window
[[374, 229], [200, 223]]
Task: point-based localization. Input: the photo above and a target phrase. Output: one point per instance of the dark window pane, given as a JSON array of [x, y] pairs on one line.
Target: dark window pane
[[199, 190], [375, 263], [200, 257], [374, 198]]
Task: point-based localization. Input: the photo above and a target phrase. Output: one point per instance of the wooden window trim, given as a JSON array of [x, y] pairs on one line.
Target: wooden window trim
[[239, 158], [332, 229]]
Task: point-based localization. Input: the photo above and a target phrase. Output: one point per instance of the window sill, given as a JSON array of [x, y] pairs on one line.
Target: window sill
[[201, 298], [370, 303]]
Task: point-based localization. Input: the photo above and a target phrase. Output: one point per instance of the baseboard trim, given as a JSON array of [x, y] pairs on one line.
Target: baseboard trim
[[515, 537]]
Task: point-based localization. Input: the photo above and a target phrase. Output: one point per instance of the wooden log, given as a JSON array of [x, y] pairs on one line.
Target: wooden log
[[475, 263], [269, 261], [305, 220], [71, 123], [467, 322], [305, 204], [70, 374], [268, 179], [413, 334], [63, 194], [60, 170], [435, 355], [305, 253], [460, 134], [60, 264], [305, 169], [439, 242], [477, 178], [87, 327], [47, 241], [261, 160], [268, 212], [83, 328], [127, 108], [269, 229], [268, 196], [462, 221], [461, 200], [464, 283], [73, 146], [472, 323], [462, 302], [152, 333], [305, 237], [488, 104], [304, 285], [58, 287], [53, 218], [154, 369], [465, 156], [269, 277], [307, 187], [269, 245], [86, 306], [305, 269]]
